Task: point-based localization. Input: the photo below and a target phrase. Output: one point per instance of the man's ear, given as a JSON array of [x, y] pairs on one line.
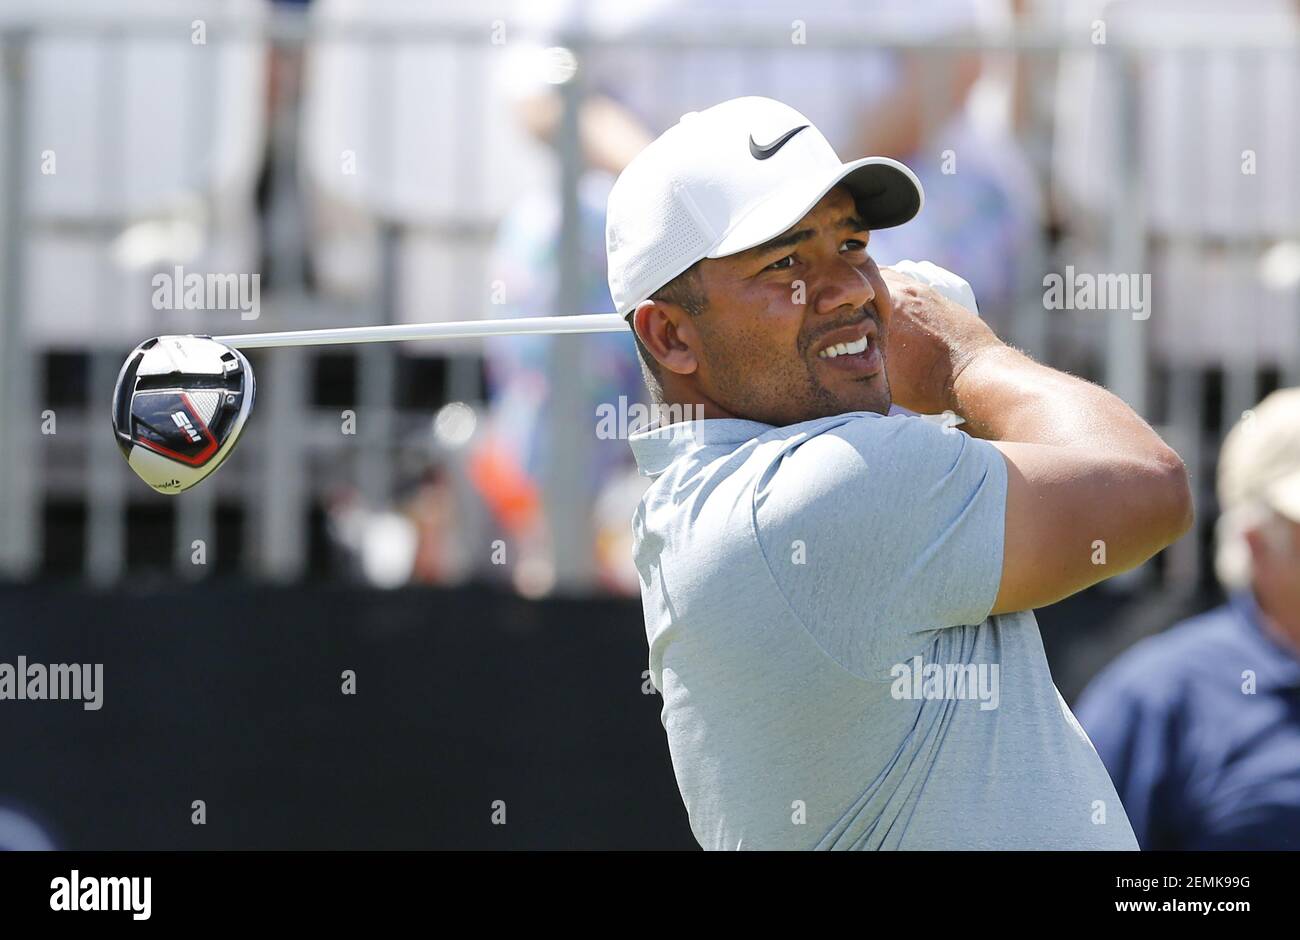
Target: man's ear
[[1262, 548], [666, 330]]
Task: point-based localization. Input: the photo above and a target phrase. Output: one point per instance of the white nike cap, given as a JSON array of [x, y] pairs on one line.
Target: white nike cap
[[726, 179]]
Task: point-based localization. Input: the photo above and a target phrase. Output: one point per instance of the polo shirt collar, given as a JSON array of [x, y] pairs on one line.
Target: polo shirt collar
[[1281, 664], [656, 449]]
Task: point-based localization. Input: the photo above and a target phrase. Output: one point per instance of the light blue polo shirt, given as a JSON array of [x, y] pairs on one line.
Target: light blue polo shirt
[[816, 603]]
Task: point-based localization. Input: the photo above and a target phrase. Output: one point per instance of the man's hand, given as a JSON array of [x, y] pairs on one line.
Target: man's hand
[[928, 340]]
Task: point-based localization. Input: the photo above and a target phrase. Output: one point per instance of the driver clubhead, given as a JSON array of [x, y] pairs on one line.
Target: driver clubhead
[[179, 406]]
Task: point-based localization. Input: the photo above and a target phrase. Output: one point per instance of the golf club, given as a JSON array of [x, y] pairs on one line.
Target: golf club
[[181, 402]]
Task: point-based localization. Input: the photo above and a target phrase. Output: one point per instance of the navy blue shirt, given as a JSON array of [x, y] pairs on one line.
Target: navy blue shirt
[[1200, 760]]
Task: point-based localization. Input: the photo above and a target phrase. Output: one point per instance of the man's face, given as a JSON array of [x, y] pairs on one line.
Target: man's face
[[782, 338], [1276, 567]]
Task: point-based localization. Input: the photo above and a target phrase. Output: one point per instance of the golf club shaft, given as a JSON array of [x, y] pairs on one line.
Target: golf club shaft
[[402, 332]]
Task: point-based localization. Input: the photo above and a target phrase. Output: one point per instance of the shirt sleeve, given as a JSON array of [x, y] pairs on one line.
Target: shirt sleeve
[[880, 530]]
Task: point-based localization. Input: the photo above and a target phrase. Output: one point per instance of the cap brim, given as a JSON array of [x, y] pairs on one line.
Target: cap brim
[[886, 192]]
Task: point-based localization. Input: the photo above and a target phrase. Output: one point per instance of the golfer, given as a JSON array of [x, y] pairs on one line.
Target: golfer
[[838, 599]]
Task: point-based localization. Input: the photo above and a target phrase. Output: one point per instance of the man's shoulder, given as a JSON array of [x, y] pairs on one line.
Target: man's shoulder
[[862, 421], [724, 437], [841, 463], [864, 431], [896, 456]]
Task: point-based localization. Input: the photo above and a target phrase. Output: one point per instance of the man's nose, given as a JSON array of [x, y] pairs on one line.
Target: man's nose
[[843, 285]]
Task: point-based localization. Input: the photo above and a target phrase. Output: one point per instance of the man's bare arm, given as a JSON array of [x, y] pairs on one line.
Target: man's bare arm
[[1088, 479]]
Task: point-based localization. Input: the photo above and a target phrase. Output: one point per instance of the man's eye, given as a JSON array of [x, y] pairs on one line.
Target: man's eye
[[781, 265], [854, 244]]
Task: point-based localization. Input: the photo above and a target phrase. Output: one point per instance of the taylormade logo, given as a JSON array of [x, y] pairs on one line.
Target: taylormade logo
[[75, 893], [67, 681], [919, 680]]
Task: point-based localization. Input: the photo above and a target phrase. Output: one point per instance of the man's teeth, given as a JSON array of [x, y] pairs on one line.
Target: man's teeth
[[844, 349]]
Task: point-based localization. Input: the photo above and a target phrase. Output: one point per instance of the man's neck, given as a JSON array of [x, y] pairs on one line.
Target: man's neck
[[699, 405]]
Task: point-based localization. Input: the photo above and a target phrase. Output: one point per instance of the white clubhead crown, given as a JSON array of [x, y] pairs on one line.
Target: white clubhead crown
[[178, 408]]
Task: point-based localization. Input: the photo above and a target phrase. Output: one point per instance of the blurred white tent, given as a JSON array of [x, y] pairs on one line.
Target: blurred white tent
[[414, 134], [143, 153], [1215, 142]]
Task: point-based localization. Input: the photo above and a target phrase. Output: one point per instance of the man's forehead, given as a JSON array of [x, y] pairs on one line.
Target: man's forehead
[[838, 200], [836, 208]]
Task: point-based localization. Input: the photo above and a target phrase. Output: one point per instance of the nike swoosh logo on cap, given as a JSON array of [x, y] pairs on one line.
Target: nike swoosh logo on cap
[[763, 151]]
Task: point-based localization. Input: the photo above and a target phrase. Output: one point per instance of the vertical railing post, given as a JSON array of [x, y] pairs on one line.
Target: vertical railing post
[[278, 507], [106, 484], [1125, 364], [20, 517], [569, 434]]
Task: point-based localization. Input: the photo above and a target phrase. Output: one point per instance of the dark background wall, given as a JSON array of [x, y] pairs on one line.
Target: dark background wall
[[231, 694]]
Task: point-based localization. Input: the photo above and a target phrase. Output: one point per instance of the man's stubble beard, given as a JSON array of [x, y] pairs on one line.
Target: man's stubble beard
[[816, 400], [824, 401]]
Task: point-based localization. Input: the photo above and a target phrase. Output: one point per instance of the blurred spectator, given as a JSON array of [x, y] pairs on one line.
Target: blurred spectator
[[417, 541], [1200, 726], [941, 111], [509, 461]]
